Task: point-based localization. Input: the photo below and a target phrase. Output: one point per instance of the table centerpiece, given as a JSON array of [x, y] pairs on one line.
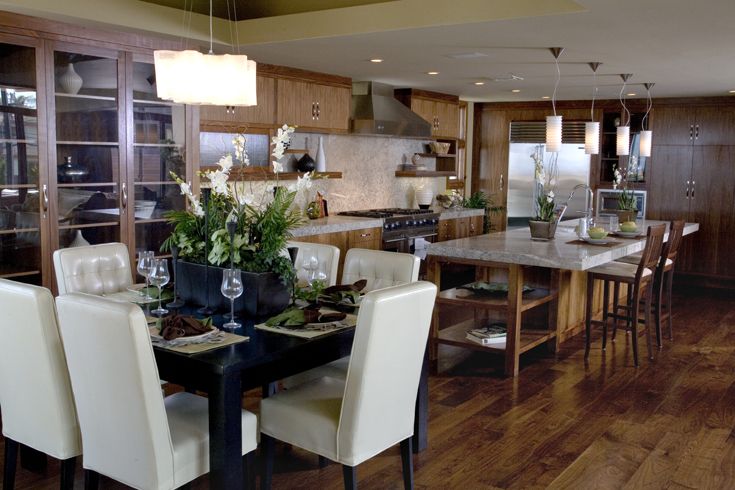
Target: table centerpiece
[[543, 225], [627, 203]]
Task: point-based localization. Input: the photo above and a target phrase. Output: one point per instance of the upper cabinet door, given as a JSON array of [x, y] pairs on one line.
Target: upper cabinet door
[[672, 125], [236, 118], [87, 166], [23, 186], [714, 126], [426, 109], [332, 107], [296, 103], [447, 120]]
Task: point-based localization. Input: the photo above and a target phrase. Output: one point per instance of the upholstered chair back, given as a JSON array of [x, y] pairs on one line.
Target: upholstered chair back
[[328, 256], [385, 366], [35, 393], [381, 269], [125, 431], [94, 269]]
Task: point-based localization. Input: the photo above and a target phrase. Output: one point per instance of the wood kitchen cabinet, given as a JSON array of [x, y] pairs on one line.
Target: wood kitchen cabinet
[[453, 228], [313, 106], [698, 126], [439, 110], [239, 118], [476, 225]]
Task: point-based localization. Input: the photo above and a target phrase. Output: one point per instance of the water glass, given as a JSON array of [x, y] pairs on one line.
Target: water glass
[[231, 288], [613, 222], [144, 268], [159, 277]]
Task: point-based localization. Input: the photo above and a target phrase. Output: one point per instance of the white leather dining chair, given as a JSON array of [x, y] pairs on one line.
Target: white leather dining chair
[[35, 394], [353, 419], [129, 431], [381, 269], [94, 269], [327, 255]]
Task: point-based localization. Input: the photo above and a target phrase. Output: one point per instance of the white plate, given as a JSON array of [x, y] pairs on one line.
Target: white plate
[[629, 234], [597, 241]]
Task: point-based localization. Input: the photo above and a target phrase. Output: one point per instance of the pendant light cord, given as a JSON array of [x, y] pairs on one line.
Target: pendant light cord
[[556, 85], [210, 27], [622, 101], [594, 94], [649, 106]]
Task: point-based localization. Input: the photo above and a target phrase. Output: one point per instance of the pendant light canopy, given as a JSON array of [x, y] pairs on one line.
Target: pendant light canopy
[[623, 131], [191, 77], [553, 123], [592, 128], [646, 135]]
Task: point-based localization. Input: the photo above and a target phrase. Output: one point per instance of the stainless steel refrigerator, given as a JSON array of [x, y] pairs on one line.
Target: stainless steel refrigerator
[[573, 166]]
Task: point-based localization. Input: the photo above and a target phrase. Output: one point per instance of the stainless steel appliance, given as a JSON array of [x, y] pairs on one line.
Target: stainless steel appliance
[[607, 202], [401, 227]]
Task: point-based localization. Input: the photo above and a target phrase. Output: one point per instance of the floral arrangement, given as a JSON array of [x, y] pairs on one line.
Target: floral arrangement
[[627, 200], [545, 182], [263, 224]]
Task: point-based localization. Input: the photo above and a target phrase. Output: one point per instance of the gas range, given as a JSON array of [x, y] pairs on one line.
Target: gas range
[[384, 212], [402, 226]]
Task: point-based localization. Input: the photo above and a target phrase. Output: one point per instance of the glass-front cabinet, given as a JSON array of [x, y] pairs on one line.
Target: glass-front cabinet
[[87, 152], [22, 185]]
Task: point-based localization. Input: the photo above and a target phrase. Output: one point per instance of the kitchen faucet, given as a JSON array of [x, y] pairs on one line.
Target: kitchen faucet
[[588, 211]]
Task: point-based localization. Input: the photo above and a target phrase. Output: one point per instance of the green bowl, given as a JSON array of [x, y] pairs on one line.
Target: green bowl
[[597, 235], [628, 229]]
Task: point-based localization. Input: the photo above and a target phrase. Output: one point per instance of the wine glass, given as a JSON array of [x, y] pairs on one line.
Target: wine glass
[[311, 264], [231, 288], [159, 277], [144, 267]]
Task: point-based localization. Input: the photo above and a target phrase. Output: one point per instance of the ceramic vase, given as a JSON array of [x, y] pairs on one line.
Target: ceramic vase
[[424, 196], [321, 160], [70, 81], [79, 240]]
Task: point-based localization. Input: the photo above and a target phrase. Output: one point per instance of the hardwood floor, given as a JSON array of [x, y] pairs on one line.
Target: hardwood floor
[[563, 424]]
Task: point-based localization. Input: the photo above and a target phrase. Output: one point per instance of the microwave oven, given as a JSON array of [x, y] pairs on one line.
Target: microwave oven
[[607, 202]]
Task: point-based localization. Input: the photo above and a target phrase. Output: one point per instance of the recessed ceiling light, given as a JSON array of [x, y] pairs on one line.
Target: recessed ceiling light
[[545, 97], [630, 94], [516, 90], [432, 72], [483, 83], [376, 60]]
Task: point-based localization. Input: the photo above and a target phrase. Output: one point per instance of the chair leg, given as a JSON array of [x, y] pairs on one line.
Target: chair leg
[[588, 315], [248, 470], [658, 286], [269, 447], [669, 282], [11, 464], [647, 319], [323, 462], [68, 467], [407, 461], [350, 476], [635, 304], [616, 308], [91, 480], [605, 302]]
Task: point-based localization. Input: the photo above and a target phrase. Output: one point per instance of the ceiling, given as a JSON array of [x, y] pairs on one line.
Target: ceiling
[[684, 47]]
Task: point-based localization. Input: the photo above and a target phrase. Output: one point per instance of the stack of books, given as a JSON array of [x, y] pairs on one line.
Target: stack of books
[[492, 335]]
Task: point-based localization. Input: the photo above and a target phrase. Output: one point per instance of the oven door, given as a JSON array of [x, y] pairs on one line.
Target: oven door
[[397, 244]]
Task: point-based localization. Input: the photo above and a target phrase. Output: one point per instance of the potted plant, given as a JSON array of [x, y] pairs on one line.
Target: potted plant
[[480, 200], [627, 203], [262, 226], [543, 225]]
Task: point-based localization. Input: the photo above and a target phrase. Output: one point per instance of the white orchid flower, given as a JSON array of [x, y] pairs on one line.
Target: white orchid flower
[[277, 167], [225, 163]]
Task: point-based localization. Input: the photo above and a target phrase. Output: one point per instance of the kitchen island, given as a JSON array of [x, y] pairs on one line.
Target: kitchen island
[[555, 271]]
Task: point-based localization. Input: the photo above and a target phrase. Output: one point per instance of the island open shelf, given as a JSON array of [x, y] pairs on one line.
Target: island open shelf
[[456, 336], [459, 296]]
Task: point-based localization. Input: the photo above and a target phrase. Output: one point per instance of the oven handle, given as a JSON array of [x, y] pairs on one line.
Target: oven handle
[[425, 236], [394, 240]]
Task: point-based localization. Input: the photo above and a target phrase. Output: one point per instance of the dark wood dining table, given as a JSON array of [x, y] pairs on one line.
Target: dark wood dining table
[[226, 372]]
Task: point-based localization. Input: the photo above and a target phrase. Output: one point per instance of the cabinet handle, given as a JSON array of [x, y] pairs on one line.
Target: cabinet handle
[[44, 190], [313, 111], [696, 132], [318, 111], [687, 189], [364, 235], [124, 189], [502, 183], [691, 132], [694, 183]]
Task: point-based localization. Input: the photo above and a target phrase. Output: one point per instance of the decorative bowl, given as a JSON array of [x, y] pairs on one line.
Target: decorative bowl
[[439, 147], [597, 234]]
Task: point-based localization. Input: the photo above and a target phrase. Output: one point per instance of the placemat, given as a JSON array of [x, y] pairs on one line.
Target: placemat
[[312, 330], [229, 339], [611, 243]]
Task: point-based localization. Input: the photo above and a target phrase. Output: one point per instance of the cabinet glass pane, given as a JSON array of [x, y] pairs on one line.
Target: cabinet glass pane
[[20, 253], [150, 236], [154, 163], [153, 200], [18, 164], [88, 205], [87, 164]]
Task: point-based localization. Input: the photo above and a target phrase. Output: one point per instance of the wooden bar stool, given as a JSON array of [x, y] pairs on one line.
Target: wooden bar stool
[[663, 279], [638, 278]]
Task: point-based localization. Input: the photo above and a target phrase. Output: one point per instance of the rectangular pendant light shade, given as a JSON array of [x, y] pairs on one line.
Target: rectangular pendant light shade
[[553, 133], [592, 138], [191, 77], [623, 140], [645, 143]]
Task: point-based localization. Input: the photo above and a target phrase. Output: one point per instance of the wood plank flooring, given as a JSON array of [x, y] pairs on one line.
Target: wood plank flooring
[[561, 424]]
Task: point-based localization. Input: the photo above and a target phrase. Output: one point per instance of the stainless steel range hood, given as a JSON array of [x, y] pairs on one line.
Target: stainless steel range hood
[[376, 112]]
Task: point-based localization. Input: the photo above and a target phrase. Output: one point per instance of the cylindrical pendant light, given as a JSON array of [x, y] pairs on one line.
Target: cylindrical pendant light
[[592, 128], [592, 138], [553, 133], [646, 135], [623, 132], [623, 140], [553, 123]]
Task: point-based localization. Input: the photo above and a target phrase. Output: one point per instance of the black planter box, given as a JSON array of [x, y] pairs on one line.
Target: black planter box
[[263, 293]]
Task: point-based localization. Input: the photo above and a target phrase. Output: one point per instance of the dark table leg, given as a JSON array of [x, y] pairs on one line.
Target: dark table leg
[[421, 419], [225, 432]]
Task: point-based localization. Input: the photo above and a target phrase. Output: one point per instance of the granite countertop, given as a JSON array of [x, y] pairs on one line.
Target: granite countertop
[[516, 247], [337, 223]]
